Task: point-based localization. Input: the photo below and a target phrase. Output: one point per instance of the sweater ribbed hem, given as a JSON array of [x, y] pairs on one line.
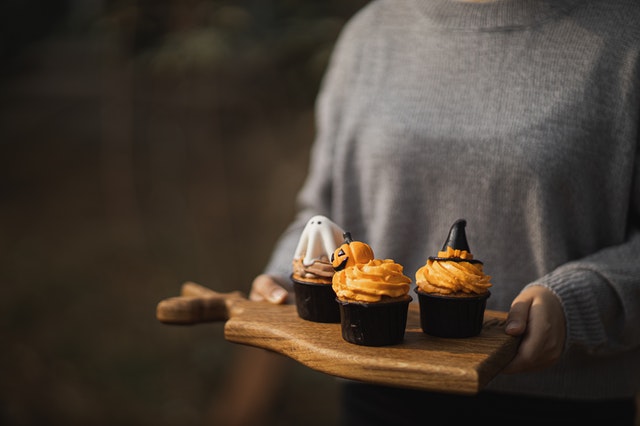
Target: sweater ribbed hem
[[575, 288]]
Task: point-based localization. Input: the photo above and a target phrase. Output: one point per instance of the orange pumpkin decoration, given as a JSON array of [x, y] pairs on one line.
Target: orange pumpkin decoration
[[350, 253]]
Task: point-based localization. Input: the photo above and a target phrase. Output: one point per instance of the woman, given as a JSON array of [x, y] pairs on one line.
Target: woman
[[522, 117]]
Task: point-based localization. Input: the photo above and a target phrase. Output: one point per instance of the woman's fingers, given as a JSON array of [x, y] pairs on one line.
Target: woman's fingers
[[266, 288], [536, 315]]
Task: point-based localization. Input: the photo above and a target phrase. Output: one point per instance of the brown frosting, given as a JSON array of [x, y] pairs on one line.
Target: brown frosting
[[319, 272]]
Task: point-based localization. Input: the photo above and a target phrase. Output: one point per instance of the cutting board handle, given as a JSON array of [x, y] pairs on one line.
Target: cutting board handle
[[197, 304]]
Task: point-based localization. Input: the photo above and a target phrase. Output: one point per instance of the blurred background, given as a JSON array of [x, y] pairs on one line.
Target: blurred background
[[145, 144]]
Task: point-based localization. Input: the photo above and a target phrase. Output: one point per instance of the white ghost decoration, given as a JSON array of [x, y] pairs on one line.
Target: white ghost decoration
[[319, 238]]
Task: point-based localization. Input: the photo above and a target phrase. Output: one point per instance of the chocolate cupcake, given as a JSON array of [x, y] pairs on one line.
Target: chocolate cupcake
[[372, 295], [452, 289], [312, 271]]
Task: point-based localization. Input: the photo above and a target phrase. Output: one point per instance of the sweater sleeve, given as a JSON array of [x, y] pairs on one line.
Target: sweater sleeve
[[315, 196], [601, 292]]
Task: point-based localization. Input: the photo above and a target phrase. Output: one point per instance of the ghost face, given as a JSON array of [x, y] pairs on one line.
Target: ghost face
[[319, 239]]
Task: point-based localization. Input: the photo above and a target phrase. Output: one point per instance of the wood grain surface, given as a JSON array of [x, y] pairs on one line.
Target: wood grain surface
[[421, 361]]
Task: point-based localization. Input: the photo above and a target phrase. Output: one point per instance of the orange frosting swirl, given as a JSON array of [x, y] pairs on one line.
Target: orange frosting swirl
[[371, 282], [456, 276]]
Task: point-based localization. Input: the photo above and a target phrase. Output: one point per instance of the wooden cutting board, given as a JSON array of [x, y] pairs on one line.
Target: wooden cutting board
[[421, 361]]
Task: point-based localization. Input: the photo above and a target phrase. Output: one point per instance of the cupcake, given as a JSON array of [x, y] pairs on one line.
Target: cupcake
[[312, 271], [372, 295], [452, 289]]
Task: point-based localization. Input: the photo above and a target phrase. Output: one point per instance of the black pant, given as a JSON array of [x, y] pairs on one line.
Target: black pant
[[369, 405]]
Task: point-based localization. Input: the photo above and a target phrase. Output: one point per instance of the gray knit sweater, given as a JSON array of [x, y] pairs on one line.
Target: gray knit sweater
[[520, 116]]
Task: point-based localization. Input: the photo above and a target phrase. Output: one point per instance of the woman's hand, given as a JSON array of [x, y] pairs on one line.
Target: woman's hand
[[264, 287], [536, 314]]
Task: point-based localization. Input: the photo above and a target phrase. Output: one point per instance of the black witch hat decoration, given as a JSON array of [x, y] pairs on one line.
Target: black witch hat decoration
[[457, 240]]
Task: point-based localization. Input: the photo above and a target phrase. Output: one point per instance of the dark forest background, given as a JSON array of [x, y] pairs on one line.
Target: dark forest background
[[144, 144]]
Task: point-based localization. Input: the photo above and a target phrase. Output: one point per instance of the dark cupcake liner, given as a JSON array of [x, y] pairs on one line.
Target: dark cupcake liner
[[374, 324], [316, 302], [449, 316]]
